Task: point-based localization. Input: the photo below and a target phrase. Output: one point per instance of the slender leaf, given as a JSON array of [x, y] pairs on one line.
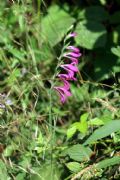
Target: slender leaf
[[104, 131]]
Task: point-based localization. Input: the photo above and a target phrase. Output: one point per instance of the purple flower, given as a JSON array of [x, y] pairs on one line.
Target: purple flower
[[63, 92], [72, 34], [74, 60], [72, 54], [66, 83], [68, 77], [73, 48], [69, 67], [70, 70]]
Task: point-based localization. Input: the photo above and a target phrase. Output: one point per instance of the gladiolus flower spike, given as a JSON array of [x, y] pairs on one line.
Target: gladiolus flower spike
[[72, 54]]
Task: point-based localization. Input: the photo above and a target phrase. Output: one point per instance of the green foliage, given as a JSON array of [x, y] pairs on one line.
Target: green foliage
[[78, 153], [104, 131], [57, 21], [3, 171], [91, 34], [108, 162], [81, 126], [73, 166], [40, 138], [95, 13], [116, 51]]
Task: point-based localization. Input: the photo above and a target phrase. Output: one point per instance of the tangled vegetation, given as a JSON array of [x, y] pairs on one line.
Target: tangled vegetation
[[41, 138]]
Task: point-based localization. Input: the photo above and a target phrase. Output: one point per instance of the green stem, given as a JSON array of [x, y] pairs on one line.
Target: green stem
[[51, 132]]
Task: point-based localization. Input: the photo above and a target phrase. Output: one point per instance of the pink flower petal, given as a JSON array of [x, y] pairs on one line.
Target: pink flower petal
[[75, 49], [66, 84], [74, 60], [63, 92], [72, 34], [76, 55], [69, 67], [66, 76], [69, 76]]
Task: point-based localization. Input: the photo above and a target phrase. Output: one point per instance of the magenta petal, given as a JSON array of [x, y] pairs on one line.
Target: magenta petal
[[74, 60], [72, 54], [70, 67], [62, 96], [72, 34], [63, 92], [67, 68], [69, 76], [64, 79], [66, 84], [75, 49], [66, 76]]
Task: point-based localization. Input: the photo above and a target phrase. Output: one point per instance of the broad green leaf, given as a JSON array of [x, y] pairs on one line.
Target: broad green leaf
[[3, 171], [104, 131], [55, 25], [90, 34], [26, 162], [115, 18], [105, 63], [20, 176], [71, 131], [9, 150], [73, 166], [96, 122], [83, 125], [84, 117], [108, 162], [78, 152], [46, 171], [116, 51], [96, 13]]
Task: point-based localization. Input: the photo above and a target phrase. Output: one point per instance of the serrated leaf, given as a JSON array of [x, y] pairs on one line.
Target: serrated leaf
[[79, 153], [96, 122], [108, 162], [56, 24], [91, 34], [104, 131], [73, 166]]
